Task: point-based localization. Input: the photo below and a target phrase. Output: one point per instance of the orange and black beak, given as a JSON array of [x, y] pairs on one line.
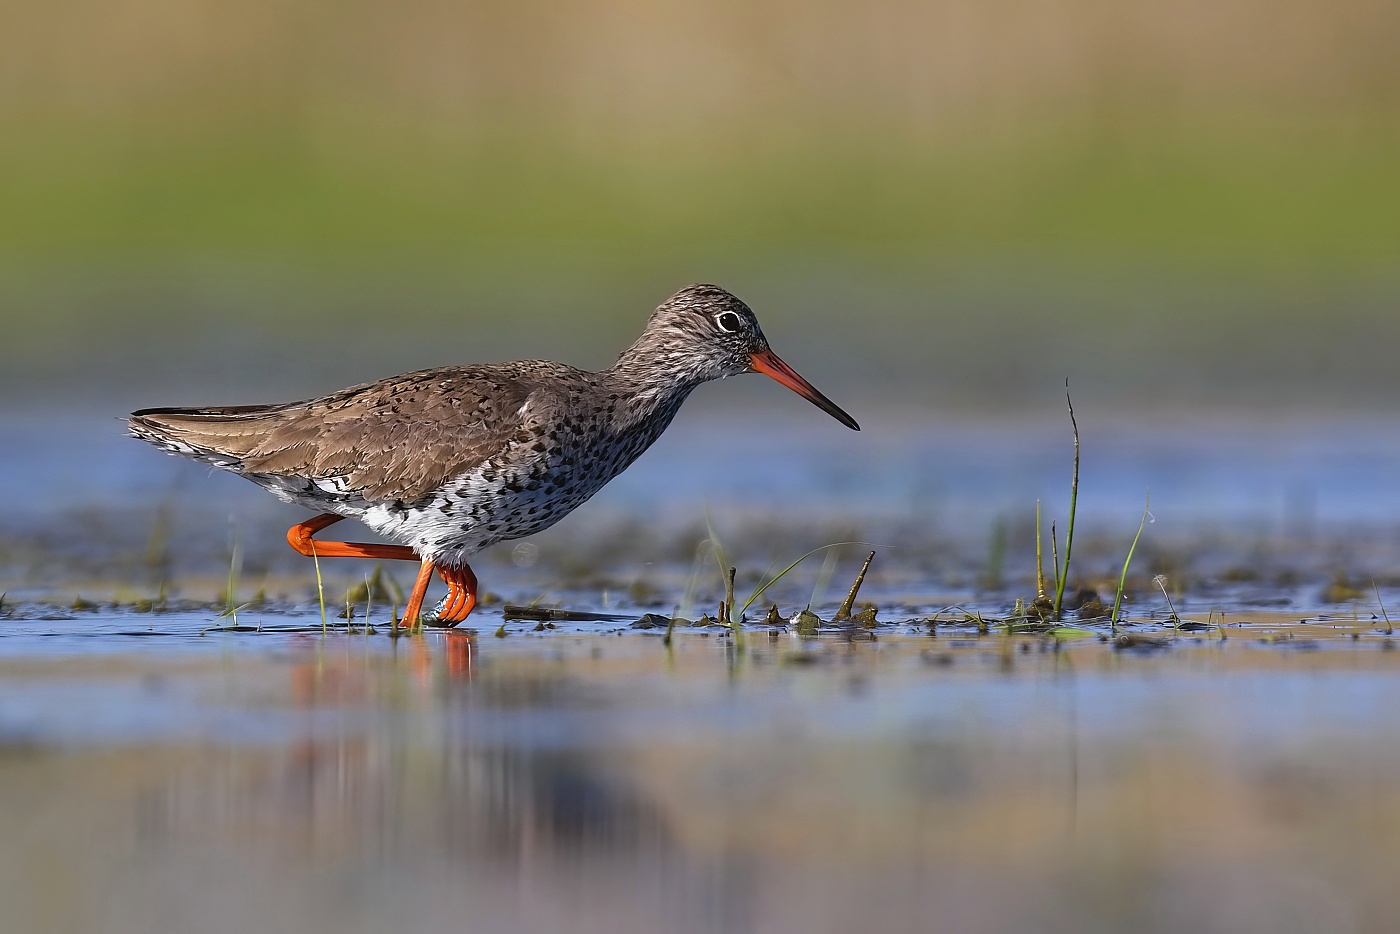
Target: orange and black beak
[[769, 364]]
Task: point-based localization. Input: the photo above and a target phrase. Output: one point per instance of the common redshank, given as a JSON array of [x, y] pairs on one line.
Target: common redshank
[[449, 461]]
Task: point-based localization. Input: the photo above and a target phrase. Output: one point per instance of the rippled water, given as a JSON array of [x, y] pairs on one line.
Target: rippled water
[[161, 771], [588, 782]]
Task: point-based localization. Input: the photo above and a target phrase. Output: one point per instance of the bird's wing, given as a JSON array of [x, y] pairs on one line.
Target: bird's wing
[[395, 439]]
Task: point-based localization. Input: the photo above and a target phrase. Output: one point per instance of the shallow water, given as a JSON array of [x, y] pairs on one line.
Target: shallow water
[[164, 771], [1276, 501], [591, 782]]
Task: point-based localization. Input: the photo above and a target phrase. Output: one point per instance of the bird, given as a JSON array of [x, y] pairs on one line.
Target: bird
[[447, 461]]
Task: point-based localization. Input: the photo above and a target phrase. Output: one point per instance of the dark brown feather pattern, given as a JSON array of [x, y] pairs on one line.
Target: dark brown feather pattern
[[395, 439]]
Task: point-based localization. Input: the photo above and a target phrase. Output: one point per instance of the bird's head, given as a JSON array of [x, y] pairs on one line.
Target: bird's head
[[703, 332]]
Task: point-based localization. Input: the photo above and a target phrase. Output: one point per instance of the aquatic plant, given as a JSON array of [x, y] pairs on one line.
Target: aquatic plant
[[320, 587], [758, 592], [1123, 577], [1062, 577], [1040, 593], [845, 610], [1389, 629], [1161, 581], [235, 567]]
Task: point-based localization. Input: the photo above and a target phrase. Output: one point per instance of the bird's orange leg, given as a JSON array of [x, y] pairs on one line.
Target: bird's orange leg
[[415, 599], [461, 582], [299, 537], [461, 595]]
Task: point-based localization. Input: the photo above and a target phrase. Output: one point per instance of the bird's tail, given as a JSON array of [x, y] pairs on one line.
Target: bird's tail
[[222, 437]]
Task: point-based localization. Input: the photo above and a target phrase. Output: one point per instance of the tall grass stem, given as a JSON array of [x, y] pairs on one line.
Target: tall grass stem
[[1073, 502], [320, 587], [1039, 556]]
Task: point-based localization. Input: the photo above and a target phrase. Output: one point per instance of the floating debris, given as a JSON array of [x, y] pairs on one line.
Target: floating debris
[[804, 622], [549, 614], [1092, 608], [866, 617], [1135, 643]]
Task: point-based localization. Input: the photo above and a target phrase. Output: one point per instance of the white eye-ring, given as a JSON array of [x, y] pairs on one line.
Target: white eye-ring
[[729, 322]]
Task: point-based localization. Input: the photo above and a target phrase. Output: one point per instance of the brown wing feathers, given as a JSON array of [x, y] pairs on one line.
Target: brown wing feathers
[[396, 439]]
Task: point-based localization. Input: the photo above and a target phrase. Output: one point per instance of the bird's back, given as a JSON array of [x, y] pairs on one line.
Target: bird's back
[[393, 439]]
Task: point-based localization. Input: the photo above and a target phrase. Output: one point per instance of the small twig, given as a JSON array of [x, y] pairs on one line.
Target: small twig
[[729, 597], [1161, 581], [845, 611]]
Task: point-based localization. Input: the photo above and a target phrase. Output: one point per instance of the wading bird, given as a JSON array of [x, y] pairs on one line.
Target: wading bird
[[449, 461]]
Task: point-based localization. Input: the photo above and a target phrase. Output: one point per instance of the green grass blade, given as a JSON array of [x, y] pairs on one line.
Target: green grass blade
[[779, 576], [1123, 577], [1073, 502], [1039, 556], [715, 543], [320, 587]]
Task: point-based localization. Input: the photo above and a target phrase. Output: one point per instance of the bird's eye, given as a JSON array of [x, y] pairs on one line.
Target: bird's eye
[[728, 321]]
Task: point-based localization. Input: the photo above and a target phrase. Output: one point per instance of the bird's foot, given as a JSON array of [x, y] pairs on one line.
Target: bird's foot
[[437, 618], [460, 599]]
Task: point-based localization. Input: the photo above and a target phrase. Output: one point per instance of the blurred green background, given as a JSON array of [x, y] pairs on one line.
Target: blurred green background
[[956, 203]]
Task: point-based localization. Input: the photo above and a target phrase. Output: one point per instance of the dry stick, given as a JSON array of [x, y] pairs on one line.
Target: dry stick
[[1073, 501], [729, 597], [850, 601]]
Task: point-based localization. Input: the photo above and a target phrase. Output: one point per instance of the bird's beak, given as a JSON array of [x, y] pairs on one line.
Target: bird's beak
[[769, 364]]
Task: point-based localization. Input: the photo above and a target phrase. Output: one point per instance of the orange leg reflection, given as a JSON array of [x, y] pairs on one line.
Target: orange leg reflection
[[461, 656]]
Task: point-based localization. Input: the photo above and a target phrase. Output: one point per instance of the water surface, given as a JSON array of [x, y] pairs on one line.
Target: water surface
[[165, 767]]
